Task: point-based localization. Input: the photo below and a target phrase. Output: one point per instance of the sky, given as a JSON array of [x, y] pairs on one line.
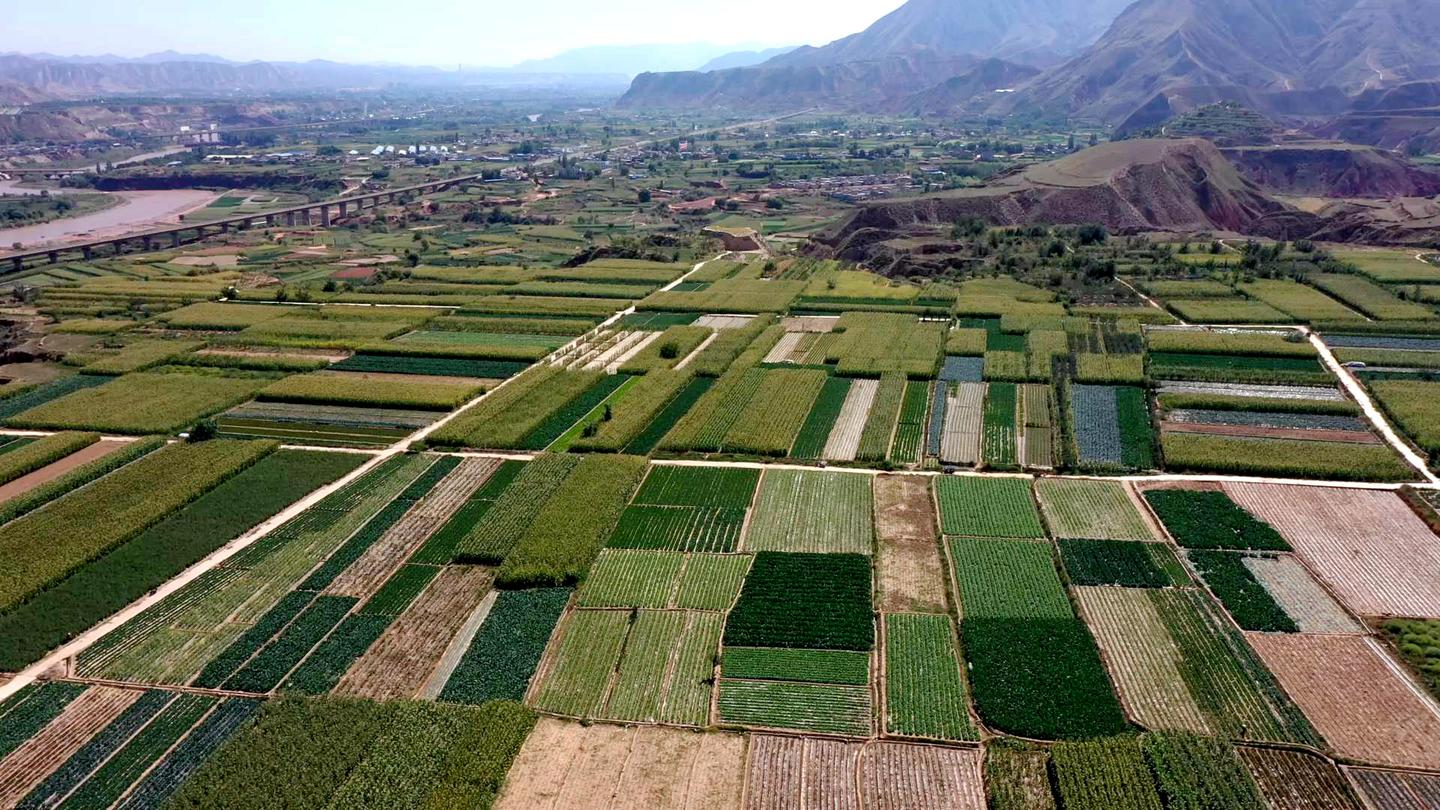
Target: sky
[[474, 34]]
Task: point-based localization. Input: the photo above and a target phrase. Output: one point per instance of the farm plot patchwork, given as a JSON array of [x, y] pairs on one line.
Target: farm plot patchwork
[[1110, 427], [661, 663], [688, 509], [910, 429], [1395, 790], [1144, 661], [1335, 532], [174, 639], [663, 579]]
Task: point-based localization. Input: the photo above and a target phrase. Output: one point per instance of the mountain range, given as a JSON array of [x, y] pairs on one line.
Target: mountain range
[[1131, 65]]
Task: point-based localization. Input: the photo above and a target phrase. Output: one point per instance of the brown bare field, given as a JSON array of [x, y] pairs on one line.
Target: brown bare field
[[1396, 790], [400, 662], [1368, 546], [570, 766], [911, 575], [1142, 658], [50, 472], [1290, 780], [899, 776], [788, 772], [1355, 697], [367, 574], [777, 773], [830, 774], [1253, 432], [39, 756]]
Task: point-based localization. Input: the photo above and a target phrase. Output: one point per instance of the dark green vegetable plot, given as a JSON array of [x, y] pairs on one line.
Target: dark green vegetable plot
[[1212, 520]]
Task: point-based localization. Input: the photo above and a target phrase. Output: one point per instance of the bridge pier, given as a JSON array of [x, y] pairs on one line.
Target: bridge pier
[[324, 216], [148, 243], [269, 220], [54, 256], [289, 219], [224, 227], [305, 217], [344, 209], [174, 239], [390, 198], [19, 264], [87, 251]]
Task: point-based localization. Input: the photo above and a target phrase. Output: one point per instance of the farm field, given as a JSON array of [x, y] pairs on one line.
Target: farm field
[[433, 517]]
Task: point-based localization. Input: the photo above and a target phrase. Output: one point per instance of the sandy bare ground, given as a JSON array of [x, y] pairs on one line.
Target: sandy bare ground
[[911, 574], [141, 210], [1356, 697], [574, 767], [50, 472], [1373, 552]]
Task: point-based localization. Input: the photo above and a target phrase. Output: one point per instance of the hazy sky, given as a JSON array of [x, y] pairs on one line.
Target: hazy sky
[[475, 33]]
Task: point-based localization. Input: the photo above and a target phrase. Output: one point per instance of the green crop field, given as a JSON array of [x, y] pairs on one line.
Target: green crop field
[[987, 507], [816, 512], [925, 694], [1005, 579]]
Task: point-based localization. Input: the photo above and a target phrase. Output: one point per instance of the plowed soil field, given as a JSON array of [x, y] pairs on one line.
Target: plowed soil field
[[401, 661], [568, 766], [788, 773], [1290, 780], [1355, 697], [1376, 555]]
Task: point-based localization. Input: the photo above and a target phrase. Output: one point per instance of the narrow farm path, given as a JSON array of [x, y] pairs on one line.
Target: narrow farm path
[[1372, 412]]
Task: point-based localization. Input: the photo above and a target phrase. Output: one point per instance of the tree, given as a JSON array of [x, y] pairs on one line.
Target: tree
[[643, 196]]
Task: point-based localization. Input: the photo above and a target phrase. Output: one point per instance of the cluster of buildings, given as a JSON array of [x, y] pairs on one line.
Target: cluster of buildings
[[857, 188]]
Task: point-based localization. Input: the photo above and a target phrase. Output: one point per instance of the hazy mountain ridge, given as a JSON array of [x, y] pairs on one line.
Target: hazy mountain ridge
[[1292, 56], [931, 41]]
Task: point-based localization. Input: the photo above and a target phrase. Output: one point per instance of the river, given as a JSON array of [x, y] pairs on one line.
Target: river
[[139, 211]]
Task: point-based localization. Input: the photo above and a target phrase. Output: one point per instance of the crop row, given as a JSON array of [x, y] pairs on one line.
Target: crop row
[[880, 422], [805, 666], [802, 706], [987, 507], [909, 438], [493, 537], [363, 755], [113, 580], [1284, 458], [1008, 579], [1123, 563], [925, 693], [568, 531], [142, 403], [23, 460], [640, 408], [813, 512], [815, 432], [48, 544], [506, 417], [774, 414], [810, 601]]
